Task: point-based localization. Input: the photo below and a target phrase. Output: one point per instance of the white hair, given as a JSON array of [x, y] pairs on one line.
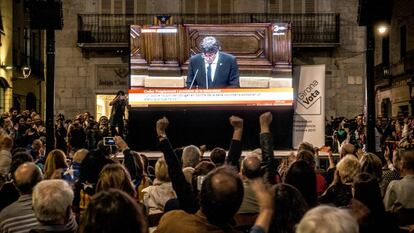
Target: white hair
[[51, 200], [348, 167], [327, 219], [191, 156]]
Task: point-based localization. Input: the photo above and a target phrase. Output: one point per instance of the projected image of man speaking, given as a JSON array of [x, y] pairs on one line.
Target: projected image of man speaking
[[212, 68]]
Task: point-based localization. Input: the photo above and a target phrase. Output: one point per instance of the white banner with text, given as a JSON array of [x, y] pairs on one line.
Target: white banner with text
[[182, 97], [309, 115]]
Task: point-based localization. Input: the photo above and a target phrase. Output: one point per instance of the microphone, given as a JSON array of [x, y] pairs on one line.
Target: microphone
[[206, 82], [194, 78]]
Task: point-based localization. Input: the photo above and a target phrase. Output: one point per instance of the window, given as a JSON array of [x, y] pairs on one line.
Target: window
[[403, 109], [102, 105], [403, 41], [186, 6], [2, 99], [3, 86], [31, 101], [385, 50], [386, 108], [207, 7], [292, 6]]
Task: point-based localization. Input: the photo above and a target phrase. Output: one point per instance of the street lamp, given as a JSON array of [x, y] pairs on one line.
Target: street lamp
[[382, 29]]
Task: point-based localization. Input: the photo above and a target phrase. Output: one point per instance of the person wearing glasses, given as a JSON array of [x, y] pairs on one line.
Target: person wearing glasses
[[212, 68]]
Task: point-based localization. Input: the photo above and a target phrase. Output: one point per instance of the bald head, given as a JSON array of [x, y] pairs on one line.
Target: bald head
[[251, 167], [221, 195], [26, 177], [347, 149]]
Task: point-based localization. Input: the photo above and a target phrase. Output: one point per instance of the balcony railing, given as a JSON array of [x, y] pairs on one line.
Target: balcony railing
[[308, 29], [382, 71]]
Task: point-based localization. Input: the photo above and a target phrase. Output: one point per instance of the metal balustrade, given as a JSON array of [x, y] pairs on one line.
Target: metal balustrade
[[308, 29]]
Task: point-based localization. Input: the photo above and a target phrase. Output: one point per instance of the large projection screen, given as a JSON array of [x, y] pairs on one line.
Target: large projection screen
[[160, 56]]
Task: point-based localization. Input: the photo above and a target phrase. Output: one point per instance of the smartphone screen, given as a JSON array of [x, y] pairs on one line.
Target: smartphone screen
[[109, 141]]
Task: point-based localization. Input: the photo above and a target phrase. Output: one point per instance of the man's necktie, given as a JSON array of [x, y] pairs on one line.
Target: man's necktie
[[209, 75]]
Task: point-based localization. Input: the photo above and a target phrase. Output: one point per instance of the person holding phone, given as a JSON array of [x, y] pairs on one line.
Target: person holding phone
[[117, 113], [212, 68]]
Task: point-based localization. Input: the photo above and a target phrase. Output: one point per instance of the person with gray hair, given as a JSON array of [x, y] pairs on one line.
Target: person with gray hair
[[212, 68], [52, 201], [19, 216], [324, 219], [190, 158]]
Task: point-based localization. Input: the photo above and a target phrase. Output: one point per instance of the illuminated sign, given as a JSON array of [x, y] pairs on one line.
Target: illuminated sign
[[279, 30], [159, 30]]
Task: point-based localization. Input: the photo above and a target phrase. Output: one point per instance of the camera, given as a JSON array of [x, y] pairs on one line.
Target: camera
[[108, 141]]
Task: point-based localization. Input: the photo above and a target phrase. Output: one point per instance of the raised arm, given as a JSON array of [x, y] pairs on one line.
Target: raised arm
[[181, 187], [129, 161], [235, 145], [113, 101], [265, 197], [266, 144]]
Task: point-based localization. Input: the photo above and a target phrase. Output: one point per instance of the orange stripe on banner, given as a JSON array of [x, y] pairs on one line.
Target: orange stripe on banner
[[166, 91], [263, 102]]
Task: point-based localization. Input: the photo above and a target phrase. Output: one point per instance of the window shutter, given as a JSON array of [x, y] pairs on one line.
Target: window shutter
[[286, 6], [129, 7], [189, 6], [274, 6], [202, 6], [298, 6], [226, 6], [310, 6], [141, 7], [106, 7], [118, 7], [214, 7]]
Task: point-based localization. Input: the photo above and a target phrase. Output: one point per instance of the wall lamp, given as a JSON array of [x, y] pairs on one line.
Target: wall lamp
[[6, 67], [26, 70]]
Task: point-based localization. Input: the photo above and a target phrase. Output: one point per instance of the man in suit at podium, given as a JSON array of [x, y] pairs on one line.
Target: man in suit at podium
[[212, 68]]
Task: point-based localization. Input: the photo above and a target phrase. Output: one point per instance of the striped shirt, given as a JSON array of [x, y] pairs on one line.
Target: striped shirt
[[19, 216]]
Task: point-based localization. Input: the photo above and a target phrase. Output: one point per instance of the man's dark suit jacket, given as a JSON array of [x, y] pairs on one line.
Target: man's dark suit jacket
[[226, 75]]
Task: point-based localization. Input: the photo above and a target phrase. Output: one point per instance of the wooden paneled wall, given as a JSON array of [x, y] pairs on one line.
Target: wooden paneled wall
[[262, 49]]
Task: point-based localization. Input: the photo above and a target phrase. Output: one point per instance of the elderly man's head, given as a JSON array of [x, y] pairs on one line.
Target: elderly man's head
[[191, 156], [324, 219], [52, 200], [26, 177], [251, 167], [347, 149], [221, 195]]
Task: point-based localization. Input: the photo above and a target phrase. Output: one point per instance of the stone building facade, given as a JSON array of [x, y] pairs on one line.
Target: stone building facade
[[78, 73], [394, 60], [21, 60], [6, 66]]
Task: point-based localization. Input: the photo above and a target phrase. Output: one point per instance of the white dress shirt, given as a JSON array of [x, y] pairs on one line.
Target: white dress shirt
[[213, 66]]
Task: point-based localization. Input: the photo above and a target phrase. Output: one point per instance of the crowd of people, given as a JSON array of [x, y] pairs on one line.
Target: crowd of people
[[84, 186], [389, 132]]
